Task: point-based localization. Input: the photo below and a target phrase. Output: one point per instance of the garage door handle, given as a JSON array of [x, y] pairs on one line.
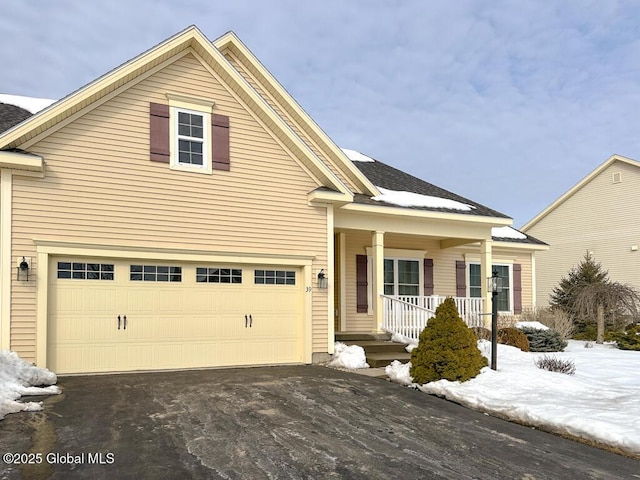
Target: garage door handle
[[246, 321], [250, 321], [118, 322], [125, 322]]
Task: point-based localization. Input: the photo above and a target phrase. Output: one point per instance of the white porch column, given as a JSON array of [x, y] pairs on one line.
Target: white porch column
[[486, 271], [377, 244]]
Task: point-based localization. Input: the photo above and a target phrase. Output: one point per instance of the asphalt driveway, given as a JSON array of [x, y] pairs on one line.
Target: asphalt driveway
[[280, 422]]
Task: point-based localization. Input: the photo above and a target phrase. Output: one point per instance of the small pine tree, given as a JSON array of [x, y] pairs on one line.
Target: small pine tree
[[447, 349], [587, 272]]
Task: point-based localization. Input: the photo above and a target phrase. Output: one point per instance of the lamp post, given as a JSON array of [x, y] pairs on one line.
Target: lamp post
[[495, 285]]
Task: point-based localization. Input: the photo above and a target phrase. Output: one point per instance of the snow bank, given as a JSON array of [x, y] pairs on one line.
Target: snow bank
[[17, 378], [348, 356], [399, 338], [596, 403], [399, 372]]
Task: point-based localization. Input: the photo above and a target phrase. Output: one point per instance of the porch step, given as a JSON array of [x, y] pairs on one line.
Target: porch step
[[378, 347], [383, 359], [363, 336]]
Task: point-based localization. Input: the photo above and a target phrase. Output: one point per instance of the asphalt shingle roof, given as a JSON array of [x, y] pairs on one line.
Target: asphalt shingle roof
[[386, 176], [11, 115]]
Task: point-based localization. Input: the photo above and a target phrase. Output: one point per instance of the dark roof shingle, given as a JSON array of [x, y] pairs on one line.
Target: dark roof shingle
[[11, 115]]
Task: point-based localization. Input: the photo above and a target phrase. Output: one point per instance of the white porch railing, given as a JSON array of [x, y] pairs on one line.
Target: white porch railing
[[408, 315]]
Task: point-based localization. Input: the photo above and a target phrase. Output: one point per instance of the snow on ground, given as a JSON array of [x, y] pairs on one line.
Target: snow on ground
[[410, 199], [31, 104], [536, 325], [599, 402], [348, 356], [18, 377]]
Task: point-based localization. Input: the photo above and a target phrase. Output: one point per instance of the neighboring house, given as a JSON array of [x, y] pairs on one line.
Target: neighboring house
[[600, 214], [184, 211]]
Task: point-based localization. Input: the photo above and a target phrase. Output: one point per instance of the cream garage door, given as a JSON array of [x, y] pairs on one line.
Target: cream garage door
[[114, 315]]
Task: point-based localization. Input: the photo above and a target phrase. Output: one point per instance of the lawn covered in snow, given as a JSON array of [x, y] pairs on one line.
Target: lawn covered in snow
[[599, 402], [17, 378]]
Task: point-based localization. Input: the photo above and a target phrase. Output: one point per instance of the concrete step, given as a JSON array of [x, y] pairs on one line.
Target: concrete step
[[378, 346], [376, 360], [364, 336]]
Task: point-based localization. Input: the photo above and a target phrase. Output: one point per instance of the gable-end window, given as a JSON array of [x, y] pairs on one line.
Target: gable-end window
[[504, 272], [188, 135], [191, 138]]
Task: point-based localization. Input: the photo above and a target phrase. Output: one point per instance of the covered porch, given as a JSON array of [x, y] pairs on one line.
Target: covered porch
[[392, 271]]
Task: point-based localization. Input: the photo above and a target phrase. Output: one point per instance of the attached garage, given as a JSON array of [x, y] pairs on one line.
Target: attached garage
[[108, 315]]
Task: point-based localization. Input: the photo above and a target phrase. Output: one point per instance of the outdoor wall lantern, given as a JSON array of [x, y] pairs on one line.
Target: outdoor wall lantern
[[322, 279], [23, 270], [494, 285]]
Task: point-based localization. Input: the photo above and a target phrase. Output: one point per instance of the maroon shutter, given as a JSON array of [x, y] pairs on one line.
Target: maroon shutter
[[428, 276], [159, 132], [220, 142], [361, 284], [517, 288], [461, 279]]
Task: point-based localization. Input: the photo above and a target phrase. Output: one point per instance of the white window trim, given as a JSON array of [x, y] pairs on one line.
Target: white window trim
[[497, 264], [198, 106], [413, 258]]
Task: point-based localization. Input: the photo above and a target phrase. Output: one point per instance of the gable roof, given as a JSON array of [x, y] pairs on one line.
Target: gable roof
[[563, 198], [291, 111], [190, 40], [388, 177]]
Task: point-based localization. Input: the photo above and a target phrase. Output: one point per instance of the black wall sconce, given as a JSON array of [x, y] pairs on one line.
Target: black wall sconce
[[23, 270], [322, 279]]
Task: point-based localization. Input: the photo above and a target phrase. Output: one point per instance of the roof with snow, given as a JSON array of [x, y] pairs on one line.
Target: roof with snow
[[400, 189], [390, 178]]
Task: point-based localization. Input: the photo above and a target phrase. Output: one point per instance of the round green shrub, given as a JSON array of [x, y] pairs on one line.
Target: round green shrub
[[447, 349], [514, 337], [544, 340], [482, 333], [629, 339]]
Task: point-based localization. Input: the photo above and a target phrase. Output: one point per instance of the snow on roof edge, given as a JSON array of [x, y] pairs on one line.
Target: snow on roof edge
[[31, 104], [355, 156]]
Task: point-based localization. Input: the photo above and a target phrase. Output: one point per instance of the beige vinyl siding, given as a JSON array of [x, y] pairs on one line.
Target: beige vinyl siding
[[602, 217], [251, 79], [444, 268], [101, 188]]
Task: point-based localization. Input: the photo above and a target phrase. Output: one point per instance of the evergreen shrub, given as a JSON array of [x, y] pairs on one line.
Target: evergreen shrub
[[514, 337], [544, 340], [629, 339], [447, 349]]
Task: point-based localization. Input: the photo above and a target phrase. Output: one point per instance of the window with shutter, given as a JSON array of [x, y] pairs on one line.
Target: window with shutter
[[187, 136]]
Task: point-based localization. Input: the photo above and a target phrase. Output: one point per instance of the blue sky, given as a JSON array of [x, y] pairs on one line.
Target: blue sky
[[507, 103]]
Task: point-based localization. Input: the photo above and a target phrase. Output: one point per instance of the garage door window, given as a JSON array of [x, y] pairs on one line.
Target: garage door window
[[218, 275], [155, 273], [275, 277], [85, 271]]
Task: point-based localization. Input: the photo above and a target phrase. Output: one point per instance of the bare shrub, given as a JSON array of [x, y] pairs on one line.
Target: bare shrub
[[482, 333], [506, 321], [555, 364], [554, 318]]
